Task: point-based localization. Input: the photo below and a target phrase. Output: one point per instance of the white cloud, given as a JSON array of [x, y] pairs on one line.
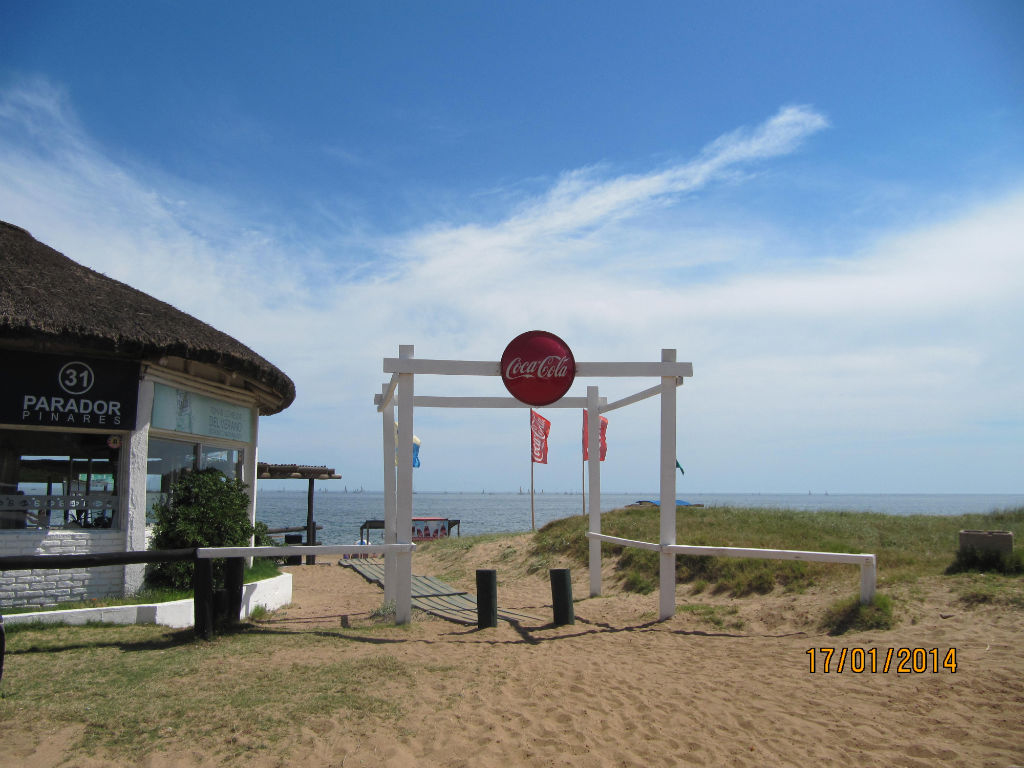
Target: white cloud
[[909, 341]]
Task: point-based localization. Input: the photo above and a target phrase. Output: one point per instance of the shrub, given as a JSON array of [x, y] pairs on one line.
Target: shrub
[[203, 509], [973, 559], [262, 535]]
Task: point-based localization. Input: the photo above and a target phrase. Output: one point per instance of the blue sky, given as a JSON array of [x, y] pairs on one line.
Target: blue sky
[[821, 205]]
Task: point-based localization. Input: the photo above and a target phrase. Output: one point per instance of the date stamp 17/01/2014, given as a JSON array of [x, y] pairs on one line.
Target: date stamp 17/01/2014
[[903, 661]]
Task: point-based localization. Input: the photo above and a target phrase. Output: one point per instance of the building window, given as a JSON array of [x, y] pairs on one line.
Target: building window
[[58, 479], [227, 460], [169, 459]]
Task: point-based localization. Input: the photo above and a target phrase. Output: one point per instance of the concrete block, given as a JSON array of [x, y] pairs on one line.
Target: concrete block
[[987, 541]]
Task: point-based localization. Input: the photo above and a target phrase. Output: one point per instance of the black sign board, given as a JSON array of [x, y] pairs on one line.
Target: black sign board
[[59, 391]]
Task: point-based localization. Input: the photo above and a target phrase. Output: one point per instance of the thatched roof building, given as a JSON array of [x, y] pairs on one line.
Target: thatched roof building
[[49, 303], [108, 397]]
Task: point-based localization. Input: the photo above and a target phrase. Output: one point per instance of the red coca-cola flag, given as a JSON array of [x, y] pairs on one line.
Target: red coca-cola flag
[[540, 428], [603, 437]]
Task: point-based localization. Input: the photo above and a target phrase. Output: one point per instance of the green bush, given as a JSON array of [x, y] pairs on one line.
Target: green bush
[[973, 559], [263, 537], [203, 509]]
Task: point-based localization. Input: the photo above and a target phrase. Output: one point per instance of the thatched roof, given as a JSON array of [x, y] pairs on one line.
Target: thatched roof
[[266, 471], [49, 301]]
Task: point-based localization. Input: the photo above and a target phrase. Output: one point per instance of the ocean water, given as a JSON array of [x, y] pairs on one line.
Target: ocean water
[[341, 514]]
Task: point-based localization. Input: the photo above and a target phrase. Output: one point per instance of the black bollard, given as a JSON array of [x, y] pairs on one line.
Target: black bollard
[[293, 538], [486, 599], [561, 596]]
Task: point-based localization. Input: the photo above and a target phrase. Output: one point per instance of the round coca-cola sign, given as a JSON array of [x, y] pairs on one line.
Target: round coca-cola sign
[[537, 367]]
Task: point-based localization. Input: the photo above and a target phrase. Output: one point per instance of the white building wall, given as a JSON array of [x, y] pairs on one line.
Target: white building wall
[[52, 586]]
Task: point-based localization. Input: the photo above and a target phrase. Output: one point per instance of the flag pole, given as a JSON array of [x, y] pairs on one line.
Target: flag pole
[[533, 526], [532, 523], [583, 466]]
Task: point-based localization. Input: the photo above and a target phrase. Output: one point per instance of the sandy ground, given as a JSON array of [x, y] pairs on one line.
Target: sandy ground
[[619, 688]]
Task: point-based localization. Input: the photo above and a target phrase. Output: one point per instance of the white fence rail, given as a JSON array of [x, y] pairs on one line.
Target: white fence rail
[[866, 562]]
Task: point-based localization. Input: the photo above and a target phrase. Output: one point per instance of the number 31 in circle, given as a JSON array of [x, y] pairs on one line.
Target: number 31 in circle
[[76, 378]]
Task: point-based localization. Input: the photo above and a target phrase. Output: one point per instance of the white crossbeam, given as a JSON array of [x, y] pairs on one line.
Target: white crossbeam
[[441, 367], [493, 368], [428, 401], [635, 370], [651, 392], [382, 400]]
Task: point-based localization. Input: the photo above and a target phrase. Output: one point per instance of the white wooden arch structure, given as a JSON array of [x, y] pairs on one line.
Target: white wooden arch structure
[[400, 393]]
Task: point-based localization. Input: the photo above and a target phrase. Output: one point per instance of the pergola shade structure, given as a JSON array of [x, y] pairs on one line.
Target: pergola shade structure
[[400, 393], [300, 472]]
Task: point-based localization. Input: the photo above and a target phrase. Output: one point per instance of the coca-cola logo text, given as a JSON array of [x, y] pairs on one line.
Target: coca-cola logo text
[[538, 368], [550, 367]]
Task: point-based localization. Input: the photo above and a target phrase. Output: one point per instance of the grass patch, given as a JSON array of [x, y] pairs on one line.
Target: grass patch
[[136, 689], [262, 568], [258, 613], [907, 547], [453, 546], [450, 553], [850, 614], [974, 589], [384, 612], [718, 616]]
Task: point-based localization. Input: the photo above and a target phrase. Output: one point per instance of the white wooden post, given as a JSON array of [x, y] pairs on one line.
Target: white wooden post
[[867, 582], [390, 505], [405, 395], [250, 471], [667, 565], [594, 486]]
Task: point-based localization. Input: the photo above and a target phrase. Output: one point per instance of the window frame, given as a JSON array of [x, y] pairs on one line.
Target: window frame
[[118, 497]]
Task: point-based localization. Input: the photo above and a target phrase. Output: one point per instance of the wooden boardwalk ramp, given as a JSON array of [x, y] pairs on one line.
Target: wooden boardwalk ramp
[[434, 596]]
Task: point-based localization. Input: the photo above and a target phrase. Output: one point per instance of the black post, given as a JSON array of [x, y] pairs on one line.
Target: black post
[[220, 610], [310, 525], [3, 646], [202, 587], [293, 538], [561, 596], [486, 599], [234, 578]]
